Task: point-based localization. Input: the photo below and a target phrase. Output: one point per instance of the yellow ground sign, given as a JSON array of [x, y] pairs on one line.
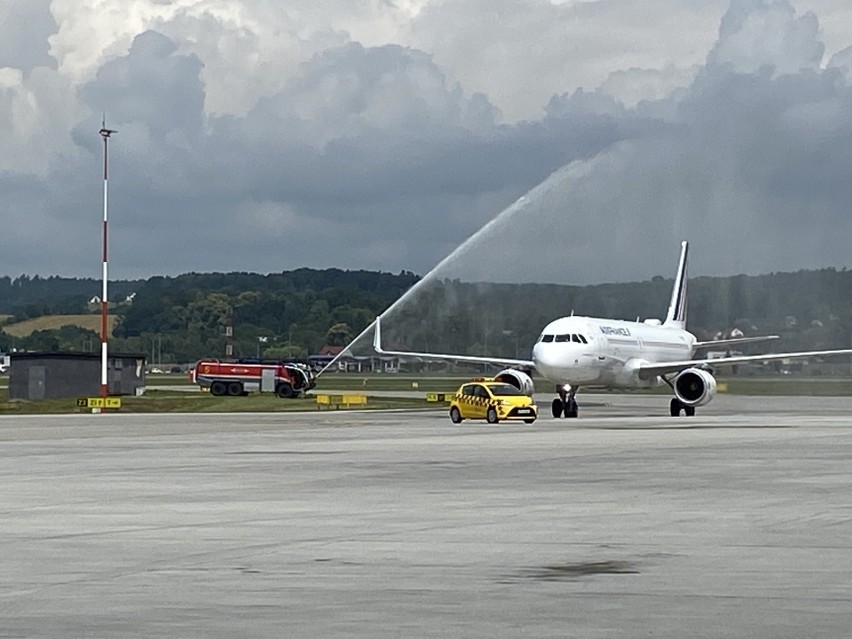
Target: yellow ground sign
[[99, 402], [337, 401], [439, 397]]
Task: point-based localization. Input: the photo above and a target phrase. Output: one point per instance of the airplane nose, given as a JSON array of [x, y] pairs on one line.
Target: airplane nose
[[563, 363], [546, 358]]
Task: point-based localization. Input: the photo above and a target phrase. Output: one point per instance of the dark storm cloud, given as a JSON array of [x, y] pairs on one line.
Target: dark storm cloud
[[751, 163], [152, 86], [742, 172], [372, 157]]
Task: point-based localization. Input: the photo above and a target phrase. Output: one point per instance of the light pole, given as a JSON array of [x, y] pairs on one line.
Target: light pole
[[105, 133], [229, 333]]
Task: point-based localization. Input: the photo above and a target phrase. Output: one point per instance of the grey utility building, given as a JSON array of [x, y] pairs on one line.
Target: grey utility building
[[70, 374]]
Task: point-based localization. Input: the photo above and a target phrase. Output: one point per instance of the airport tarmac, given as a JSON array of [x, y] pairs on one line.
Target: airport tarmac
[[735, 523]]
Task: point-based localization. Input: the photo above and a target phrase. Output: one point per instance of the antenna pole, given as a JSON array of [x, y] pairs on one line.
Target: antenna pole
[[105, 133]]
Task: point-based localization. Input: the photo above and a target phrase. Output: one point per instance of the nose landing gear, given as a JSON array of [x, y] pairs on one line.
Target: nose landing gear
[[565, 405]]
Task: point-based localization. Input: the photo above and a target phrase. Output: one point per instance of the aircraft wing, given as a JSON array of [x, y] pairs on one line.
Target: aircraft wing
[[499, 361], [652, 370], [735, 341]]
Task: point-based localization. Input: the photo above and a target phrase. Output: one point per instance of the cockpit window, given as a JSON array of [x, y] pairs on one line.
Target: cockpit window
[[567, 337]]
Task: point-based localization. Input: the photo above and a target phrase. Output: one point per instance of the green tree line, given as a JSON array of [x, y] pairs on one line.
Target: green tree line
[[295, 313]]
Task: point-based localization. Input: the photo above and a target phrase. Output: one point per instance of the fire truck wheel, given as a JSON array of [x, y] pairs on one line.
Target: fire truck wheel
[[235, 389], [218, 389], [284, 390]]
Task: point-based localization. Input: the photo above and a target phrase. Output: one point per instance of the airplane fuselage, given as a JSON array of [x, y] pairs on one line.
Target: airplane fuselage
[[589, 351]]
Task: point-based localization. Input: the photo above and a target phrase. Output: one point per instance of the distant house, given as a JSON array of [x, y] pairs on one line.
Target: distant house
[[94, 302], [331, 350], [352, 363], [72, 374]]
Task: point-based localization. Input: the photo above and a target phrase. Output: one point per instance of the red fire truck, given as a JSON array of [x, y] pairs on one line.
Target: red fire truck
[[240, 377]]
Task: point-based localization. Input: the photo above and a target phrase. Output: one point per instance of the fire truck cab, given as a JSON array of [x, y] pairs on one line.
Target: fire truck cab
[[240, 377]]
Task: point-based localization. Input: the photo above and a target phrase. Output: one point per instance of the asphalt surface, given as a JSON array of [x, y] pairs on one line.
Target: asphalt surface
[[624, 523]]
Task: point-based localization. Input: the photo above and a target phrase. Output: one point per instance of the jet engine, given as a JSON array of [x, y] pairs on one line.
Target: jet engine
[[519, 379], [695, 386]]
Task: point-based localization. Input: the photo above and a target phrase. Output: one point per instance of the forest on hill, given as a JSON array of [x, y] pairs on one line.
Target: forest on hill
[[295, 313]]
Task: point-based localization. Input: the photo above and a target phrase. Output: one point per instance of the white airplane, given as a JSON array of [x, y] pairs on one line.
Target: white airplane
[[595, 353]]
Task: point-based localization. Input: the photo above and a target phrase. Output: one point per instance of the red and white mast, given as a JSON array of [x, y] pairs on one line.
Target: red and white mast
[[105, 133]]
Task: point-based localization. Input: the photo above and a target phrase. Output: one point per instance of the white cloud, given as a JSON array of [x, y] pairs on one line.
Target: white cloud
[[38, 112], [758, 33], [23, 44], [521, 53], [632, 86]]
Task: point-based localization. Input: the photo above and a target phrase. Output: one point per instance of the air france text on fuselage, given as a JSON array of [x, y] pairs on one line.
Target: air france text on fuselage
[[610, 330]]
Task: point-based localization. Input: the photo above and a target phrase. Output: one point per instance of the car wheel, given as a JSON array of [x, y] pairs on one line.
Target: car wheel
[[235, 389], [491, 415], [284, 390], [218, 389], [455, 415]]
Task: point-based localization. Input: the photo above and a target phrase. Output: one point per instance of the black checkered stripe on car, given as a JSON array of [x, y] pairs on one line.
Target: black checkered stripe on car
[[475, 401]]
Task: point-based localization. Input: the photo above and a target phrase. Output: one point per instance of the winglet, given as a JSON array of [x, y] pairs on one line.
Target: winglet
[[377, 337], [676, 316]]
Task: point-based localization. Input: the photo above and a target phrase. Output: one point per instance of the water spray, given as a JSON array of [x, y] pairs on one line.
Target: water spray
[[495, 224]]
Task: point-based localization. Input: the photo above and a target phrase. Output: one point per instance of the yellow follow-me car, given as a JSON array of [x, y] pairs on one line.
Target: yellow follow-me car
[[493, 401]]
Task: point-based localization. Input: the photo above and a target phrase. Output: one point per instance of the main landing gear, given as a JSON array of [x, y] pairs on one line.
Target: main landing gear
[[676, 406], [565, 405]]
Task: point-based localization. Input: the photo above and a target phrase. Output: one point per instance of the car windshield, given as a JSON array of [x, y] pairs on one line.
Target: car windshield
[[503, 389]]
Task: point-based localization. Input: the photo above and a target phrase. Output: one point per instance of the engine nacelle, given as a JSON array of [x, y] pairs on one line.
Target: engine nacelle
[[695, 387], [519, 379]]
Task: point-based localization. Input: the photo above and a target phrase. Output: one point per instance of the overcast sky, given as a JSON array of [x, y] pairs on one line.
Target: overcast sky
[[258, 135]]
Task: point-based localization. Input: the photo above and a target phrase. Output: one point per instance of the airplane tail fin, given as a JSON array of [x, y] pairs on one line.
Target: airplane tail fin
[[676, 316]]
